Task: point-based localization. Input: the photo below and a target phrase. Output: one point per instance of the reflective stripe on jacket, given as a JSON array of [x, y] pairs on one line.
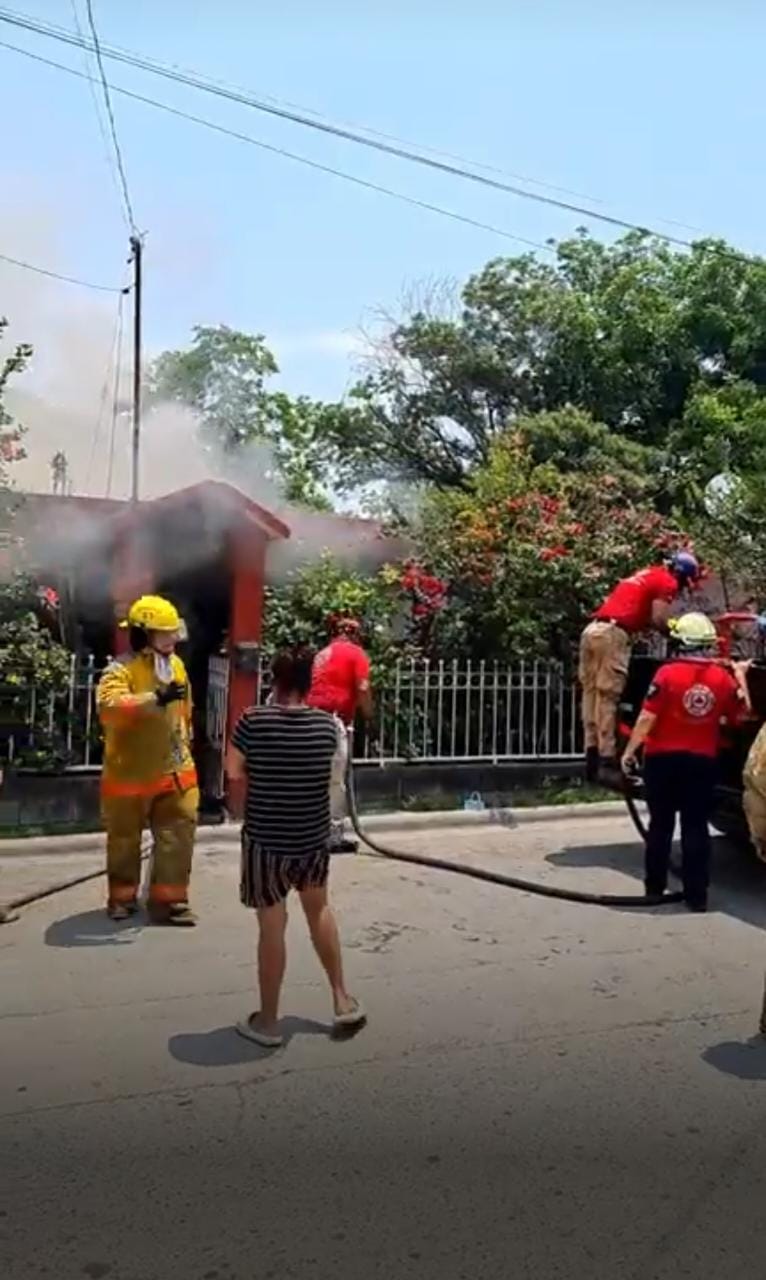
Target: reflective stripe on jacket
[[147, 749]]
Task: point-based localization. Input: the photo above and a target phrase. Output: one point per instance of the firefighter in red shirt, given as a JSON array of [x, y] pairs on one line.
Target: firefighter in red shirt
[[680, 730], [637, 604], [341, 685]]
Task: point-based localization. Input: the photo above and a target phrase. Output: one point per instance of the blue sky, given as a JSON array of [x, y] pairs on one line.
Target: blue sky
[[651, 109]]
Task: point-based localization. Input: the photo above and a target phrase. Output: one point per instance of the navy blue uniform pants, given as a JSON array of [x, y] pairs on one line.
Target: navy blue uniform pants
[[679, 783]]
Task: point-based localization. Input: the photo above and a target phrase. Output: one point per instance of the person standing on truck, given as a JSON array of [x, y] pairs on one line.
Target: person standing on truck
[[639, 603], [149, 777], [679, 728], [340, 684]]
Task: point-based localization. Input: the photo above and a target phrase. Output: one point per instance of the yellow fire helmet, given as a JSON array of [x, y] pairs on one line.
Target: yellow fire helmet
[[154, 614], [693, 631]]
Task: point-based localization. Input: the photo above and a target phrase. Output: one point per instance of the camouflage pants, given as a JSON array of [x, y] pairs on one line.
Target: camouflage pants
[[604, 658]]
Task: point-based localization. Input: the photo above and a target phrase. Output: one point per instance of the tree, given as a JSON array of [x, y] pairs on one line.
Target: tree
[[627, 332], [223, 377], [528, 551], [30, 658]]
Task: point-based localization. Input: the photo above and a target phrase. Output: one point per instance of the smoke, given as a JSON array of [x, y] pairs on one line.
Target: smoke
[[66, 399]]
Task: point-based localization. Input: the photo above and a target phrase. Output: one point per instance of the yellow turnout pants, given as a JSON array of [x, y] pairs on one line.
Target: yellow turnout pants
[[172, 819], [754, 793], [604, 658]]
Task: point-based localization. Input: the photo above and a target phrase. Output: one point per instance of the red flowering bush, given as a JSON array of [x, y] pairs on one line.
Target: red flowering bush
[[529, 552]]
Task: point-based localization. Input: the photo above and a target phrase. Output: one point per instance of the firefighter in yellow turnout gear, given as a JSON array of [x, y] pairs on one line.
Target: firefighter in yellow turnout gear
[[149, 778]]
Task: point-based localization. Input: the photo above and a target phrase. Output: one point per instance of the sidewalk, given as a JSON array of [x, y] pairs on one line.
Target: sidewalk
[[378, 823]]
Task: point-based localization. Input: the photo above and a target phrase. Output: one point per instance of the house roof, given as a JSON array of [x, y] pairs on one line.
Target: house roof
[[214, 494]]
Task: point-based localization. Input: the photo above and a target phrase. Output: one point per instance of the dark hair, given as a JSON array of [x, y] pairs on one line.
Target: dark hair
[[342, 624], [291, 670], [138, 639]]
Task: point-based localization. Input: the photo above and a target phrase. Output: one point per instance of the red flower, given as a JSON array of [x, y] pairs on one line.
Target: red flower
[[553, 553]]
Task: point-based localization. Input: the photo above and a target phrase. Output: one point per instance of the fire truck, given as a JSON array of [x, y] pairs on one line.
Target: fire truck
[[740, 635]]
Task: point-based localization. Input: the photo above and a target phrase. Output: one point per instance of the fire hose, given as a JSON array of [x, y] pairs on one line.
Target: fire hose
[[9, 912], [498, 877]]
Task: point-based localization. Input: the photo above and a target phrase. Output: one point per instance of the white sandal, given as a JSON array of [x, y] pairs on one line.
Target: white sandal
[[353, 1018], [249, 1032]]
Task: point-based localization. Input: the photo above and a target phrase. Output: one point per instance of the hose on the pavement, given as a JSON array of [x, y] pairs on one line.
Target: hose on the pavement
[[498, 877], [8, 912]]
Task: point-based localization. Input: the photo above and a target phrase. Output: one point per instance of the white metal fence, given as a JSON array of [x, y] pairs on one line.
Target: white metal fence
[[425, 711]]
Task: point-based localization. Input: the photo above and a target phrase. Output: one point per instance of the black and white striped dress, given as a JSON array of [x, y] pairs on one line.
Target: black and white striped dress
[[288, 760]]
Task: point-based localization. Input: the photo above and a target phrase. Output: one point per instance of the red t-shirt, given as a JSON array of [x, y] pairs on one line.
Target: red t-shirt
[[630, 604], [339, 670], [690, 697]]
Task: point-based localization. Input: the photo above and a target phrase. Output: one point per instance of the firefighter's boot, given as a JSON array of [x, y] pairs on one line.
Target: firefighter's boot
[[610, 774], [591, 765]]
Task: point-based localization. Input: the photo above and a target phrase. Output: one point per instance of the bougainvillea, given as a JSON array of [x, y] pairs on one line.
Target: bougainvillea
[[529, 552]]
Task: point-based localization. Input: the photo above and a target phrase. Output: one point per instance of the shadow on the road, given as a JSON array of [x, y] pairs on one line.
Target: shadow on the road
[[739, 879], [744, 1059], [222, 1047], [91, 929]]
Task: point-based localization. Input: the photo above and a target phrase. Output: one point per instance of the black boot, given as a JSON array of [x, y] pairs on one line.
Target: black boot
[[654, 890], [591, 764], [610, 774], [697, 904]]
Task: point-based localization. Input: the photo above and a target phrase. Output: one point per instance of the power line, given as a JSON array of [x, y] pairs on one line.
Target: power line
[[102, 128], [289, 155], [55, 275], [110, 117], [54, 31], [206, 86]]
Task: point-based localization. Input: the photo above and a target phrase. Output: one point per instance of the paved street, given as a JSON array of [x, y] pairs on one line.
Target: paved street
[[543, 1090]]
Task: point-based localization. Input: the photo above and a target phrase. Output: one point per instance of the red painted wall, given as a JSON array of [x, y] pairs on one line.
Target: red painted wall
[[248, 558]]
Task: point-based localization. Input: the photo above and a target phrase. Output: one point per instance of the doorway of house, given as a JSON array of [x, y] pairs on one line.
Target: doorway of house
[[202, 596]]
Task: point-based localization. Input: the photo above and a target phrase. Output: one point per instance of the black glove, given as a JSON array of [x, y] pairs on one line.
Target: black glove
[[173, 692]]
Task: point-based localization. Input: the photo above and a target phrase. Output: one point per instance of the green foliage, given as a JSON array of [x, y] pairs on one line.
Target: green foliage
[[633, 334], [297, 612], [529, 550], [30, 658], [223, 377]]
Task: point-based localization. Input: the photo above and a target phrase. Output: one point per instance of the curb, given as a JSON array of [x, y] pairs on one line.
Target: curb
[[436, 820]]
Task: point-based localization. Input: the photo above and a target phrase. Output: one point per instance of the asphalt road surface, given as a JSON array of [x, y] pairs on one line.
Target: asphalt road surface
[[543, 1089]]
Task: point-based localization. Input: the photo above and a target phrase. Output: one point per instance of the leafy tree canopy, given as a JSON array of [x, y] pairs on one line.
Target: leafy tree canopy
[[634, 334], [223, 377]]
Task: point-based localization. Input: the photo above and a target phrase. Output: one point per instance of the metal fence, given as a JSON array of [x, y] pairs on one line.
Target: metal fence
[[425, 711], [472, 711], [46, 728]]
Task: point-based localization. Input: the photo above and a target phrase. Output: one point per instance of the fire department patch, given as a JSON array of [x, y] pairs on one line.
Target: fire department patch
[[699, 701]]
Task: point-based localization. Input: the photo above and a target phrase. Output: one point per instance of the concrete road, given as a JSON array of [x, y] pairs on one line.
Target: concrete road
[[543, 1090]]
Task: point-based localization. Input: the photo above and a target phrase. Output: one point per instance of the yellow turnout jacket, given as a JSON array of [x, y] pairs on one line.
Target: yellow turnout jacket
[[147, 749]]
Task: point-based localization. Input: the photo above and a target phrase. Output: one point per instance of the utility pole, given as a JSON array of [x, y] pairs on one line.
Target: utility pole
[[137, 249]]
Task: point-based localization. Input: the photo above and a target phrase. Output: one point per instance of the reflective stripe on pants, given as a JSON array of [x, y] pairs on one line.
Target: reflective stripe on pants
[[172, 820]]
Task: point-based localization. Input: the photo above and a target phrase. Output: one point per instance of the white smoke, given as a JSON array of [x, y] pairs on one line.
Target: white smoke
[[65, 401]]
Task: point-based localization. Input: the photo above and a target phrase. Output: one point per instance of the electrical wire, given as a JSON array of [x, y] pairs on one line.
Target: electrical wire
[[102, 127], [110, 117], [142, 63], [55, 275], [288, 155], [52, 30]]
